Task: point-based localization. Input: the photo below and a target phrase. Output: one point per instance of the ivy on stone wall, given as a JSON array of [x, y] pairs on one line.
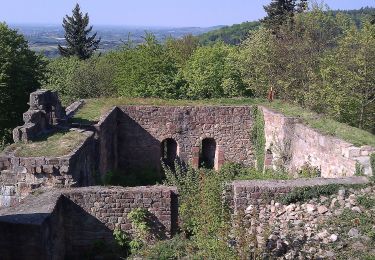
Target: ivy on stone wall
[[258, 137]]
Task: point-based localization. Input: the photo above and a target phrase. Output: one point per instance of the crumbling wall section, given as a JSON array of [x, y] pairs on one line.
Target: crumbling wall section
[[21, 175], [45, 113], [240, 195], [294, 145]]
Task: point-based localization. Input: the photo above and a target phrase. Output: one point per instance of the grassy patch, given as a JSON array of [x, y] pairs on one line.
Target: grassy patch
[[325, 125], [94, 108], [58, 144]]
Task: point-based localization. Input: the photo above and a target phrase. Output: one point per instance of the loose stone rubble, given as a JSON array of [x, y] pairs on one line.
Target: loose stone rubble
[[333, 227]]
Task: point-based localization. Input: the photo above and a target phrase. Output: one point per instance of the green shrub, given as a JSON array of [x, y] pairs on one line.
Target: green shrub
[[309, 171], [75, 79], [366, 202], [212, 73], [176, 248]]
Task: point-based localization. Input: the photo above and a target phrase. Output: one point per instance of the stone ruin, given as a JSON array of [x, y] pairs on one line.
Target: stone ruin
[[137, 138], [44, 114]]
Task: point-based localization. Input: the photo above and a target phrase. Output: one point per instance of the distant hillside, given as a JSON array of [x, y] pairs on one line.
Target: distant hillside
[[357, 15], [236, 33], [229, 34]]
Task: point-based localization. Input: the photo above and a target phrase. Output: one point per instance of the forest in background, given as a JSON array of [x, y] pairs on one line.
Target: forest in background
[[321, 60]]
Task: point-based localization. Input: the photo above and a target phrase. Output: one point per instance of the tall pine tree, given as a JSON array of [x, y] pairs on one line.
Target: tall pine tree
[[280, 12], [79, 43]]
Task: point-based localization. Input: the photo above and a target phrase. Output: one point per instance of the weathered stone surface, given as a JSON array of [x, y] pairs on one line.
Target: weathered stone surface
[[295, 145], [54, 224], [44, 114]]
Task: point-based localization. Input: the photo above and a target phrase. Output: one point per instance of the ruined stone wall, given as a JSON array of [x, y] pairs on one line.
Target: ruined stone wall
[[294, 145], [66, 223], [44, 114], [239, 195], [141, 129], [108, 141], [19, 176]]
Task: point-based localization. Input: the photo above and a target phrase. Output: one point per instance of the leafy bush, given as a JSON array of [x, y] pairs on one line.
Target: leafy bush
[[366, 202], [75, 79], [176, 248], [146, 70], [212, 73]]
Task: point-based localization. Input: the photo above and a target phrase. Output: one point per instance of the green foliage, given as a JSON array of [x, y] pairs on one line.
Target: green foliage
[[123, 241], [141, 227], [309, 171], [176, 248], [75, 79], [372, 162], [212, 73], [232, 35], [146, 70], [307, 193], [258, 137], [366, 202], [204, 217], [281, 12], [21, 72], [78, 41]]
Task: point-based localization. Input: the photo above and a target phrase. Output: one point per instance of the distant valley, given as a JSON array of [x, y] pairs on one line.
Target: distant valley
[[45, 38]]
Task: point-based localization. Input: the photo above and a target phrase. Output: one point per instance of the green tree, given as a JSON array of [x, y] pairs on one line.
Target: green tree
[[78, 41], [21, 72], [146, 70], [279, 12], [181, 50], [75, 79], [348, 75], [211, 73]]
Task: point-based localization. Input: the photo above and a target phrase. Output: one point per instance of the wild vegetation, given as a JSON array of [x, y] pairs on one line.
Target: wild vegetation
[[314, 58]]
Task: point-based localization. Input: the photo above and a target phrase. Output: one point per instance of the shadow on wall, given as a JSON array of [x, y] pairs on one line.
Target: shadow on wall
[[138, 151]]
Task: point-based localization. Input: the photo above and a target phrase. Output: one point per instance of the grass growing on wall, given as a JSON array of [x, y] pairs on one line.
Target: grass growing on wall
[[94, 108], [258, 138], [57, 144]]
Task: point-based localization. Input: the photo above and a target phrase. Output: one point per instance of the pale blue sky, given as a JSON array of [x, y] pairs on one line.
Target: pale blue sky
[[148, 12]]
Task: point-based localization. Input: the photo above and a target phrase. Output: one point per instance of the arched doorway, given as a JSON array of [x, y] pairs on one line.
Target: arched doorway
[[208, 152], [169, 152]]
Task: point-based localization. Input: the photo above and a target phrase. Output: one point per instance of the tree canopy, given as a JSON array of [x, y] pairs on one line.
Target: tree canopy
[[21, 72], [77, 31]]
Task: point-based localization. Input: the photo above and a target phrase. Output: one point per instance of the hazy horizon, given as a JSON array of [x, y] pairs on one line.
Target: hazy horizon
[[156, 14]]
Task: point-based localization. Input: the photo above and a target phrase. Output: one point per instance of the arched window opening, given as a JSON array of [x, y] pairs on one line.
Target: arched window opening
[[208, 152], [169, 152]]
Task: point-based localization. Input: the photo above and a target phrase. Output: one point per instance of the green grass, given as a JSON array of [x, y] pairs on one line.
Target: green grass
[[58, 144], [326, 125], [94, 108]]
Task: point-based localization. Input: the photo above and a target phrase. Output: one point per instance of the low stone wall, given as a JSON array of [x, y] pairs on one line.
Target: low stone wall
[[291, 144], [239, 195], [66, 223], [19, 176]]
